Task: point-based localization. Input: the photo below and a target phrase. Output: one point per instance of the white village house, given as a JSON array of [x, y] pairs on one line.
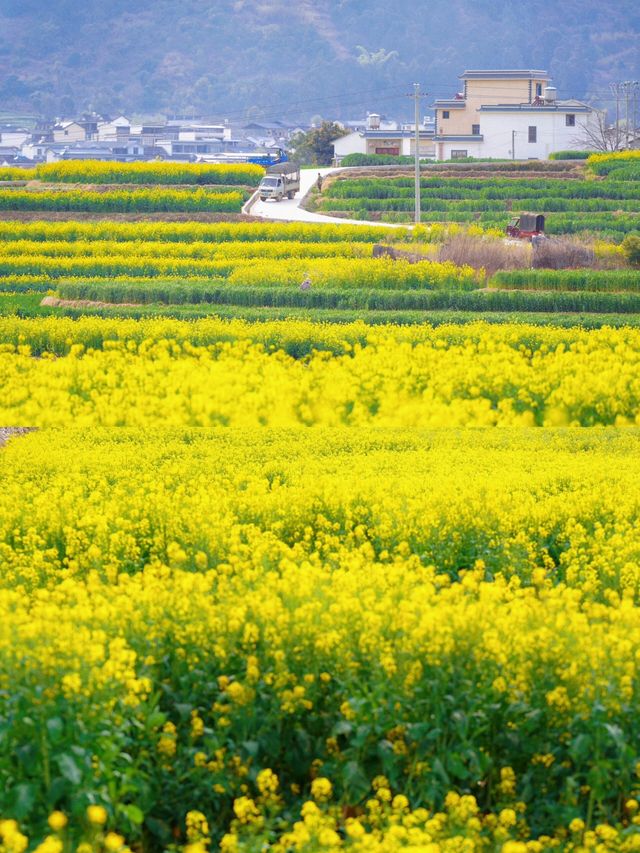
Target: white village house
[[509, 114], [382, 137], [68, 131], [114, 129]]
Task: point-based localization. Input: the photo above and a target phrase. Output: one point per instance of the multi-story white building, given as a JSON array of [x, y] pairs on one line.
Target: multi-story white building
[[509, 114]]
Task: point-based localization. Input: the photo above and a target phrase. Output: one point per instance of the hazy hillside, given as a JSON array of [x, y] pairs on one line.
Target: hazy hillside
[[268, 57]]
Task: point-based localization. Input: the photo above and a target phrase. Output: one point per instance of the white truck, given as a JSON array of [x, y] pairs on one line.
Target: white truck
[[281, 180]]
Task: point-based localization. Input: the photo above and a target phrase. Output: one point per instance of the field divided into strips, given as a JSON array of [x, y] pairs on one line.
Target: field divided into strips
[[148, 188], [596, 198], [256, 269], [314, 569]]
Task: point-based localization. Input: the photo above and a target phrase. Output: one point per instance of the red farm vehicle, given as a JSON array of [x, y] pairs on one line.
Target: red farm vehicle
[[526, 226]]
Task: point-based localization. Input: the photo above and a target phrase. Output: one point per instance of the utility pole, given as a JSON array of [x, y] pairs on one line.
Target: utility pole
[[615, 91], [513, 145], [627, 92], [418, 204]]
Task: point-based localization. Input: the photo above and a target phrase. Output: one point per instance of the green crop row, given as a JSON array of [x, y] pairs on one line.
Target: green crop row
[[480, 188], [429, 203], [610, 225], [220, 293], [122, 201], [625, 173], [569, 155], [558, 280], [28, 305]]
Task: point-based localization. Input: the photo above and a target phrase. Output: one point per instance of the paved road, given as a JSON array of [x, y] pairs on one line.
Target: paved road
[[290, 211]]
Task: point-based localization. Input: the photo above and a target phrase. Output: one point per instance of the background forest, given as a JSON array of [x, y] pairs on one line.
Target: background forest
[[257, 58]]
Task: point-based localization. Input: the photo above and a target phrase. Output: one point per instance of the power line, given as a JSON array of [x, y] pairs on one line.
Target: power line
[[364, 97], [290, 104]]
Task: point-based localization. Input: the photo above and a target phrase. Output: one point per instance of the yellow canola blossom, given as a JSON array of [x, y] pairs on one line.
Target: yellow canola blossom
[[95, 171], [251, 375], [358, 585], [238, 631], [236, 250], [251, 268], [546, 506]]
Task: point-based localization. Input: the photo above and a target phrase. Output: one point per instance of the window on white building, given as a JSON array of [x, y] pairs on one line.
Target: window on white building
[[570, 120], [459, 154], [533, 133], [445, 113], [475, 129], [538, 90]]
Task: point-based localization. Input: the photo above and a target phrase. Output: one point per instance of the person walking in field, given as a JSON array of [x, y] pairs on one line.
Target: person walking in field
[[306, 283], [319, 182]]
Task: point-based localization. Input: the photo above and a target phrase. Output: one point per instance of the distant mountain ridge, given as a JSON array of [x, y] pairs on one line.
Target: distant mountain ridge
[[335, 58]]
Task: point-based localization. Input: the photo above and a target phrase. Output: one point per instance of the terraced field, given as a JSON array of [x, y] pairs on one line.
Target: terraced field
[[313, 539], [256, 270], [141, 187], [576, 198]]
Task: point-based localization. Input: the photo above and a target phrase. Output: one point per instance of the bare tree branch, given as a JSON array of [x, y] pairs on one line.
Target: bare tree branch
[[598, 135]]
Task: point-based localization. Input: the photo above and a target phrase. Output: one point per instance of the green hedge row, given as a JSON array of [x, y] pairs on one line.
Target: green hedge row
[[28, 305], [569, 280], [544, 205], [570, 155], [376, 160], [481, 188], [180, 293]]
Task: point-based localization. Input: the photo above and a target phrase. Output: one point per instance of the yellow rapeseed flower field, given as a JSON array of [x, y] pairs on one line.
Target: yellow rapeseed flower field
[[265, 621], [295, 586], [233, 374]]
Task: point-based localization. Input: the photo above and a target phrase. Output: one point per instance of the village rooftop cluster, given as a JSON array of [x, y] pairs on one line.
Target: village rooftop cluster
[[118, 138], [509, 114]]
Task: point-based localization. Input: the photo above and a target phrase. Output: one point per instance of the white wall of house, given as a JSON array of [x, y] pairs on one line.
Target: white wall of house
[[552, 133], [359, 143], [51, 156], [32, 150], [426, 148], [110, 130], [69, 132], [14, 137], [352, 143]]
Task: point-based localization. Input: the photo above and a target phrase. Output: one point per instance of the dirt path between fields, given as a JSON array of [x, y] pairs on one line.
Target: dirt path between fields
[[54, 302]]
